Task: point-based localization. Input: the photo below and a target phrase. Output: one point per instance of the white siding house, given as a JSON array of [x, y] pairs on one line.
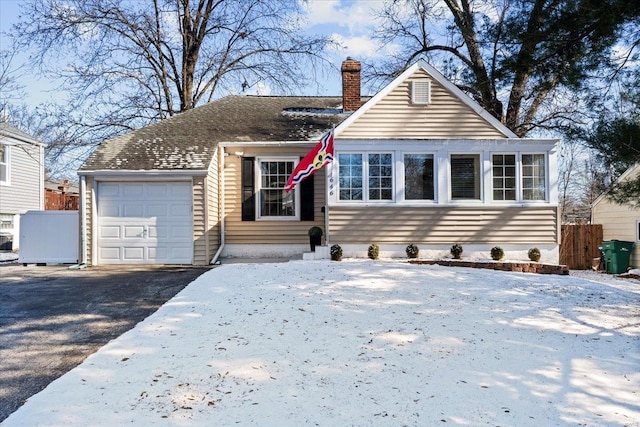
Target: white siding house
[[620, 222], [21, 180]]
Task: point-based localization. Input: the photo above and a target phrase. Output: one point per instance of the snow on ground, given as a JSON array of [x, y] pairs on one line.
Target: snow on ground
[[364, 343]]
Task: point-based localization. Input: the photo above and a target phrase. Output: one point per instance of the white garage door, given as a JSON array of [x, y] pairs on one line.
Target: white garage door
[[145, 223]]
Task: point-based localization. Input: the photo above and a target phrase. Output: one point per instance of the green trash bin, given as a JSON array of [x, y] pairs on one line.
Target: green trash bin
[[617, 254]]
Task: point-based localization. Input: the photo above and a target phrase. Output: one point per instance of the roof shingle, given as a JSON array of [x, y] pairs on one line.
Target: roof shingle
[[187, 141]]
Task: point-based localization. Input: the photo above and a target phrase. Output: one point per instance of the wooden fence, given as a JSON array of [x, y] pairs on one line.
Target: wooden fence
[[54, 201], [580, 245]]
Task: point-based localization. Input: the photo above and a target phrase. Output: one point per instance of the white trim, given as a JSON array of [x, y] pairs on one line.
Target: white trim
[[637, 230], [442, 151], [437, 76], [143, 174]]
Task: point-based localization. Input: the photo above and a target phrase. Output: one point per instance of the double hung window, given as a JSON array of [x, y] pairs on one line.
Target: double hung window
[[273, 202]]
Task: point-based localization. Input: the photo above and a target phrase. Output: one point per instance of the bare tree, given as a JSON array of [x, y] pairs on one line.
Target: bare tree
[[127, 63], [526, 55]]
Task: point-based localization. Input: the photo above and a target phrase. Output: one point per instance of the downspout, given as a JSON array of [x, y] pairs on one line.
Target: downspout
[[83, 219], [41, 153], [214, 260]]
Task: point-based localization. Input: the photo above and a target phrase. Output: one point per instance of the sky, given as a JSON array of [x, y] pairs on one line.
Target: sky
[[348, 22]]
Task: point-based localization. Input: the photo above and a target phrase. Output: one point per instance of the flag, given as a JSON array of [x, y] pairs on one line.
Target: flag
[[320, 156]]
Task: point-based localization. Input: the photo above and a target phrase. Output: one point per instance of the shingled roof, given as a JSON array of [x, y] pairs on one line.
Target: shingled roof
[[188, 140]]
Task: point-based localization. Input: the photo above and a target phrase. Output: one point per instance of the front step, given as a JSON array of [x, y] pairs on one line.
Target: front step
[[322, 252]]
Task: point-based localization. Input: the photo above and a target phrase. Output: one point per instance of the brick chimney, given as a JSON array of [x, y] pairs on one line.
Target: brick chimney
[[350, 84]]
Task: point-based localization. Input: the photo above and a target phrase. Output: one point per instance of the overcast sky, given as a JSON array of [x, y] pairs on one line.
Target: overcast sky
[[349, 22]]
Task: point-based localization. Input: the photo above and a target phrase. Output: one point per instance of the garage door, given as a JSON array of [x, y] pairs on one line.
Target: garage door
[[145, 223]]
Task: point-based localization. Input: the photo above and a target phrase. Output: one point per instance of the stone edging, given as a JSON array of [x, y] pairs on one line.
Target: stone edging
[[522, 267]]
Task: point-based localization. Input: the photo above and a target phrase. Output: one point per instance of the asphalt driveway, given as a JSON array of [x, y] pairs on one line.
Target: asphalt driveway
[[53, 317]]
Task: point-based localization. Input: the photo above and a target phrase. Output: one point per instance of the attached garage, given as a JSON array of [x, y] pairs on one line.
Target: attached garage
[[144, 222]]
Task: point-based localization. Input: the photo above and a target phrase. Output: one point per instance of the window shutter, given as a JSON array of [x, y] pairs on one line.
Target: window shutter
[[248, 191], [306, 199]]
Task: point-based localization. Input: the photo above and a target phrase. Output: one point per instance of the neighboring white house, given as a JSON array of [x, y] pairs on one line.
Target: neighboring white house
[[620, 222], [21, 180]]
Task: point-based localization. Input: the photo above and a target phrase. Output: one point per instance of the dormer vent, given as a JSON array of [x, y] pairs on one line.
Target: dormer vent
[[421, 92]]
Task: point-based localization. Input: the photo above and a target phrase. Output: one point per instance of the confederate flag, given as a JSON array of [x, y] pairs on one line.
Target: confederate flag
[[316, 159]]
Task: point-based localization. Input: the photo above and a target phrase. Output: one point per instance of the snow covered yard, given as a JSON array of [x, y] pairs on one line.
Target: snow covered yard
[[364, 343]]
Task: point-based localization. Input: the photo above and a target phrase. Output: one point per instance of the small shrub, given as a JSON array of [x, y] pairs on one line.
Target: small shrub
[[534, 254], [456, 251], [315, 231], [373, 251], [497, 253], [336, 252], [412, 251]]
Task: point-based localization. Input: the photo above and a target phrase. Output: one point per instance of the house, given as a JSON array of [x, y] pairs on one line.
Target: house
[[21, 181], [61, 196], [418, 162], [620, 222]]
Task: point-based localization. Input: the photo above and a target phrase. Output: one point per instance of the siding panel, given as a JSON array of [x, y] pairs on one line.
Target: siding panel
[[395, 117], [26, 186], [266, 231], [444, 225], [619, 222]]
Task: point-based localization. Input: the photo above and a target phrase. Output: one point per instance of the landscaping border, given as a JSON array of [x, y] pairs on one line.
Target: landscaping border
[[521, 267]]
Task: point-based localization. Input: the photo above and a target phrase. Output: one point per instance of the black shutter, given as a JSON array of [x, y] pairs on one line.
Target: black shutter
[[306, 199], [248, 192]]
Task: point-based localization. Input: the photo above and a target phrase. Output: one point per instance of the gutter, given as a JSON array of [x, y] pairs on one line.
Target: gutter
[[83, 220], [221, 189]]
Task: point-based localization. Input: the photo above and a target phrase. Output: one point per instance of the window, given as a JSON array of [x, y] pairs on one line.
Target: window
[[418, 177], [465, 177], [4, 164], [638, 231], [380, 176], [351, 169], [504, 177], [365, 177], [533, 177], [273, 201]]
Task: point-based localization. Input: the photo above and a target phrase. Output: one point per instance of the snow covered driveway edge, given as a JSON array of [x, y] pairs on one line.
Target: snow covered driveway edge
[[363, 343]]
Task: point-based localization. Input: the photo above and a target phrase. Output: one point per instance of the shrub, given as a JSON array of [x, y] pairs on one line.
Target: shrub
[[456, 251], [315, 231], [497, 253], [373, 251], [412, 251], [534, 254], [336, 252]]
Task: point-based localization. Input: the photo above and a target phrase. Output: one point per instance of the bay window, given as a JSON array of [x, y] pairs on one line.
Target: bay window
[[371, 176]]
